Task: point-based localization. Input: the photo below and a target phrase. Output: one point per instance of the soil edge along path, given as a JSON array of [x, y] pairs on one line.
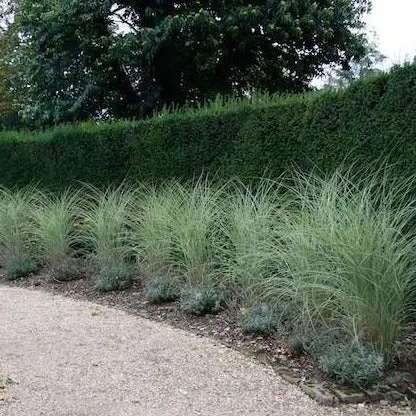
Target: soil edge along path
[[62, 357]]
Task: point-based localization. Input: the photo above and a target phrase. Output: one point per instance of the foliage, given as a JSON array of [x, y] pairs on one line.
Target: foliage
[[107, 216], [16, 232], [10, 93], [57, 240], [250, 215], [154, 211], [354, 365], [176, 227], [114, 277], [163, 289], [262, 318], [193, 231], [203, 298], [296, 345], [371, 120], [335, 253], [20, 267], [96, 58], [345, 258], [367, 65]]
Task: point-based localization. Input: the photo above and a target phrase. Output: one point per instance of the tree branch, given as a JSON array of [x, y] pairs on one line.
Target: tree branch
[[116, 10], [124, 20]]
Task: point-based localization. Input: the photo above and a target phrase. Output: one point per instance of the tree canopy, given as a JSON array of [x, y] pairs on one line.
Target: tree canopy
[[10, 98], [86, 58]]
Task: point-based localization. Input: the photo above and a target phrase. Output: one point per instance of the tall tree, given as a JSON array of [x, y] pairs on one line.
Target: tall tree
[[7, 8], [82, 58], [10, 94], [369, 64]]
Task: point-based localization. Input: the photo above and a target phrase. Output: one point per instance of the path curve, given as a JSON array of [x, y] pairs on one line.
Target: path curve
[[61, 357]]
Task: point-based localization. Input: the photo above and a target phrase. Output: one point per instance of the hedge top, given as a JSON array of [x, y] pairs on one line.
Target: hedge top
[[373, 119]]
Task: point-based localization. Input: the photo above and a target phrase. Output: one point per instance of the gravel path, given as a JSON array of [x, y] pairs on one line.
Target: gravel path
[[64, 357]]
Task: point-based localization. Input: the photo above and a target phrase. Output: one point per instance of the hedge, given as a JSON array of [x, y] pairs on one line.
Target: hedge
[[372, 119]]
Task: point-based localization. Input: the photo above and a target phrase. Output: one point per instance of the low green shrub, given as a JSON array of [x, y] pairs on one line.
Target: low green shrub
[[163, 289], [66, 270], [354, 365], [262, 319], [114, 277], [201, 299], [20, 267], [296, 345]]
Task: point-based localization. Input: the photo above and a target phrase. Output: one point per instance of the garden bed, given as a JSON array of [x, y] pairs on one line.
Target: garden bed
[[398, 384], [321, 270]]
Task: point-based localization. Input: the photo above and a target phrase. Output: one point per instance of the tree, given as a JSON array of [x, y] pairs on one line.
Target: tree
[[7, 8], [9, 94], [369, 64], [83, 58]]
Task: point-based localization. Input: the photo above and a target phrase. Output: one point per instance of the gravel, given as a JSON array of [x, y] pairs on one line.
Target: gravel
[[61, 357]]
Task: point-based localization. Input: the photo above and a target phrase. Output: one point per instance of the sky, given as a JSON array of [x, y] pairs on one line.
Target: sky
[[394, 22]]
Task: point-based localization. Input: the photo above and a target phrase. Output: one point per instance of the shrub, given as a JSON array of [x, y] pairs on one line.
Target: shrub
[[354, 365], [372, 119], [175, 229], [57, 238], [296, 344], [205, 298], [193, 231], [346, 257], [70, 268], [114, 277], [247, 228], [20, 267], [163, 289], [154, 211], [262, 319], [108, 230], [16, 232]]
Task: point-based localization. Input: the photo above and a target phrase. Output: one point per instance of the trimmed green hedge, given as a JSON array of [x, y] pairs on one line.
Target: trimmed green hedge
[[373, 119]]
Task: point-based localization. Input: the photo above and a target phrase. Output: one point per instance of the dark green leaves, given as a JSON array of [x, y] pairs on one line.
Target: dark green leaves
[[91, 58]]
